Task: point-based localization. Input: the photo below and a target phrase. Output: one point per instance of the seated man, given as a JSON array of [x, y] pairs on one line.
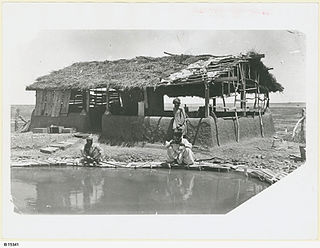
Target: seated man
[[179, 150], [91, 153]]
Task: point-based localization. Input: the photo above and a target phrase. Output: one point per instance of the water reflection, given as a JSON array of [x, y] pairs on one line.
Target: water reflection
[[121, 191]]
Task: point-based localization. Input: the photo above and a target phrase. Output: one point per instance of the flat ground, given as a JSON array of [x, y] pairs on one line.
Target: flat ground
[[255, 152]]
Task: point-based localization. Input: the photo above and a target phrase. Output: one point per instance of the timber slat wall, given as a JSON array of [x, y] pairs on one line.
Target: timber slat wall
[[49, 103], [39, 100], [65, 102], [52, 103], [43, 102], [56, 104]]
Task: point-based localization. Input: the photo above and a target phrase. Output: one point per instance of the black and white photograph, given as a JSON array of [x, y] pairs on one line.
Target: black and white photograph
[[156, 122], [158, 135]]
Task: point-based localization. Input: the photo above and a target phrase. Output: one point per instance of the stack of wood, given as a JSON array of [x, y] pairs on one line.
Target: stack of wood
[[53, 129]]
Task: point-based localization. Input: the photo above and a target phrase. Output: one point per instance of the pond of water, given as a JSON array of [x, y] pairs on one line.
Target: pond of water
[[128, 191]]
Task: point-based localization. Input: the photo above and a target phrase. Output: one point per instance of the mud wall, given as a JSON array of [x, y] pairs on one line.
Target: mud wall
[[131, 129], [200, 131], [249, 127], [76, 120]]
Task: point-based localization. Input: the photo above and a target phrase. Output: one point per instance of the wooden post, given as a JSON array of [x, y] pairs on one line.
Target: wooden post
[[255, 100], [259, 109], [268, 99], [107, 112], [214, 103], [228, 93], [241, 88], [261, 123], [85, 102], [237, 126], [206, 97], [222, 94], [88, 101], [238, 76], [244, 92], [264, 102], [145, 100], [235, 96], [224, 104], [258, 90], [235, 87]]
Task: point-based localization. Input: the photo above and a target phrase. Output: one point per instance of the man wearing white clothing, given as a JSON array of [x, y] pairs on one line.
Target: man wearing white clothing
[[179, 150]]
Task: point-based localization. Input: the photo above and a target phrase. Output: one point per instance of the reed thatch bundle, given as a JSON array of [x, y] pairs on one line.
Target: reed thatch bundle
[[139, 72]]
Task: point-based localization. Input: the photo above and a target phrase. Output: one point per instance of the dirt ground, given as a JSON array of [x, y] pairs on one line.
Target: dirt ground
[[258, 152]]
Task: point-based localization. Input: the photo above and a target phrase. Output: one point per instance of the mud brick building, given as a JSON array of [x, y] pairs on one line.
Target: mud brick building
[[124, 99]]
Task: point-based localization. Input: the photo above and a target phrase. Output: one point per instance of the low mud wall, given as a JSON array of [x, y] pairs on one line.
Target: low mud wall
[[249, 127], [130, 129], [200, 131], [75, 120]]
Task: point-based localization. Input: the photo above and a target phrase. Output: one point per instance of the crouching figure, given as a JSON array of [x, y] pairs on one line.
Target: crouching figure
[[179, 150], [91, 153]]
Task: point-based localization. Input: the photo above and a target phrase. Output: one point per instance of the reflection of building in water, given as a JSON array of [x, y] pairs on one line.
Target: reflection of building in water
[[131, 191], [179, 189], [134, 192], [232, 193], [23, 196], [127, 192], [88, 194], [74, 195], [52, 197]]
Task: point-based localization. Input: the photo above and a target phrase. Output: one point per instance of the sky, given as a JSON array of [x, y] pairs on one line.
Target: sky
[[41, 52]]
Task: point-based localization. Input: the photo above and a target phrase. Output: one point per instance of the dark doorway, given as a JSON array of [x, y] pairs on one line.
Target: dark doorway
[[97, 107]]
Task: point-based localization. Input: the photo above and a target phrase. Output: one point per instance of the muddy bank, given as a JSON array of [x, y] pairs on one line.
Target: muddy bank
[[254, 153]]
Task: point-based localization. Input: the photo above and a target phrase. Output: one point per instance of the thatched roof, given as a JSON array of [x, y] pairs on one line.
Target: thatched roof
[[148, 71]]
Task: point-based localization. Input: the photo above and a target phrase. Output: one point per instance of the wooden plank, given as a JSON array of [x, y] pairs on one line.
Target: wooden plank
[[81, 135], [68, 130], [107, 111], [40, 130], [49, 103], [225, 79], [214, 104], [39, 97], [43, 102], [56, 103], [21, 164], [145, 98], [237, 126], [49, 150], [261, 123], [65, 102], [85, 99], [243, 92], [249, 89], [140, 108]]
